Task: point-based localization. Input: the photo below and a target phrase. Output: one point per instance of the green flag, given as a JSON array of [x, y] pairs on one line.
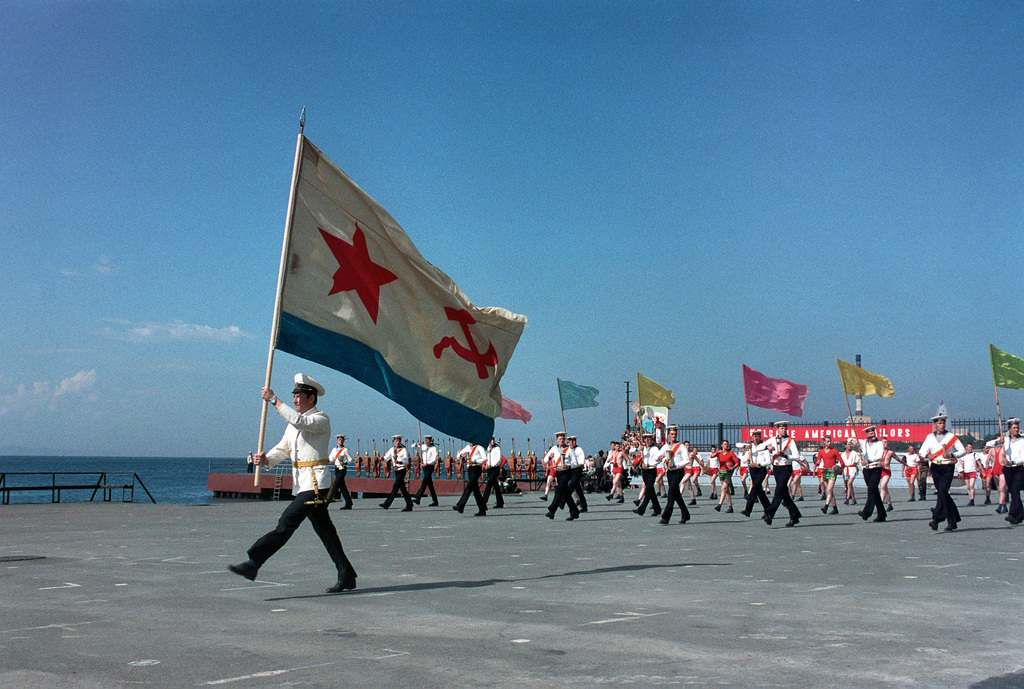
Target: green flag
[[573, 396], [1007, 369]]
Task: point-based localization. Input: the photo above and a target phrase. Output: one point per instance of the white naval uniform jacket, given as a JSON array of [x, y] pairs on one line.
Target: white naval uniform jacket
[[399, 459], [872, 453], [787, 447], [935, 444], [476, 454], [429, 455], [305, 440]]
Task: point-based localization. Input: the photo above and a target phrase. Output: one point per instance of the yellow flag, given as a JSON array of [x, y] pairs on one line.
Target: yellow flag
[[650, 393], [857, 381]]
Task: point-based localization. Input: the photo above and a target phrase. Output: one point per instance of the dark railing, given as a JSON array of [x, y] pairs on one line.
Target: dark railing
[[13, 482]]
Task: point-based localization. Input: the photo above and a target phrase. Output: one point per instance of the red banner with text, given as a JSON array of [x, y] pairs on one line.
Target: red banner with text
[[907, 433]]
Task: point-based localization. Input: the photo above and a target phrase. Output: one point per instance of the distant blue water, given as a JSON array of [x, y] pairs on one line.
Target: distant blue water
[[176, 480]]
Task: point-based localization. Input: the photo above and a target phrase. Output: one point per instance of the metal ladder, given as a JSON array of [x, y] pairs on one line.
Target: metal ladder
[[277, 483]]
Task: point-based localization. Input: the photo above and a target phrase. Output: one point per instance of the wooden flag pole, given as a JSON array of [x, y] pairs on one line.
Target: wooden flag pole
[[846, 395], [999, 413], [275, 325], [561, 406]]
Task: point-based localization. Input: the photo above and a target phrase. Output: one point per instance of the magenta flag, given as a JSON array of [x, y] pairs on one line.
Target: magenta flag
[[513, 410], [773, 393]]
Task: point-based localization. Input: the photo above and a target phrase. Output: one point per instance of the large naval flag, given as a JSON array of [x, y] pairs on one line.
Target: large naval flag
[[357, 296]]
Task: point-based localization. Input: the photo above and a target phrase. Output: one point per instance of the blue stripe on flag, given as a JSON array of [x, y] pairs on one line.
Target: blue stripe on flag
[[366, 365]]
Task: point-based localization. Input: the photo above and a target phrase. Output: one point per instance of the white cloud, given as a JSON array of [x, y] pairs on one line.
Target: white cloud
[[175, 331], [103, 265], [41, 395]]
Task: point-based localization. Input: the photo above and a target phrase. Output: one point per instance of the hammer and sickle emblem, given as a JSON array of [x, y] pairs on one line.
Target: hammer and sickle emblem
[[471, 353]]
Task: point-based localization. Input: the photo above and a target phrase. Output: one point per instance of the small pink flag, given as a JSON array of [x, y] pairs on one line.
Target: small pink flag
[[513, 410], [773, 393]]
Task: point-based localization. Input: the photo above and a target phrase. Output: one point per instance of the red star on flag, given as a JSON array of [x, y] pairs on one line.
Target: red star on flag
[[356, 271]]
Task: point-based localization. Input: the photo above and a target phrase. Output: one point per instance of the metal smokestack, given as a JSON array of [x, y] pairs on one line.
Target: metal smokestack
[[859, 409]]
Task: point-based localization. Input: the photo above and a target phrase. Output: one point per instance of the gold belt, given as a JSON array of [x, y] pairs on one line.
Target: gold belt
[[305, 464]]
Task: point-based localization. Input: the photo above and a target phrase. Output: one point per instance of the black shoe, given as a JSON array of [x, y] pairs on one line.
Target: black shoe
[[1008, 518], [714, 496], [767, 520], [718, 508], [570, 518], [499, 507], [912, 499], [792, 522], [684, 520], [889, 507], [834, 511], [549, 515], [745, 513], [878, 519], [663, 521], [863, 515], [544, 498], [693, 502], [800, 499], [434, 504], [846, 501], [416, 500], [608, 497], [988, 501], [407, 508], [824, 510], [934, 525], [583, 509], [637, 511], [854, 501], [950, 527], [636, 502], [346, 507], [346, 584], [655, 514], [384, 506], [729, 511], [970, 503], [481, 513], [458, 508], [247, 569]]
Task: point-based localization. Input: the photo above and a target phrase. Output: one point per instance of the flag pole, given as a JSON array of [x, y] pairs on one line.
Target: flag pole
[[275, 325], [560, 405], [846, 395]]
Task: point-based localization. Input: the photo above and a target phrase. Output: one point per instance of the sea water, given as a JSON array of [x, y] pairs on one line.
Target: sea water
[[180, 480]]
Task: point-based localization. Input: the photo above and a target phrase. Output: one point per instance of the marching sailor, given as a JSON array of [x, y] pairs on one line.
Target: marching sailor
[[677, 459], [305, 444], [873, 453], [651, 458], [577, 460], [477, 457], [398, 458], [759, 459], [1013, 470], [340, 458], [561, 458], [494, 461], [941, 449], [429, 454], [784, 453]]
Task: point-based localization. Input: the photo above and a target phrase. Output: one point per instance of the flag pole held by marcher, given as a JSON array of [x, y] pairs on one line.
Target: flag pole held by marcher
[[280, 286]]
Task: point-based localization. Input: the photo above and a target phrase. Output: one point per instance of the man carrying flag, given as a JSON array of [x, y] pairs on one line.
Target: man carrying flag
[[784, 453], [1013, 470], [477, 457], [942, 448]]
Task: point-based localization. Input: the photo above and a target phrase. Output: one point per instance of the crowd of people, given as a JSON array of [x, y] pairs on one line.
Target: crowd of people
[[771, 473]]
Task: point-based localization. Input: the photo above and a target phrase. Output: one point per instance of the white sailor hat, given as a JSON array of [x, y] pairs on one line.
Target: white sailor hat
[[756, 431], [429, 437], [340, 435], [558, 433], [1010, 422], [939, 417], [396, 436], [571, 437], [782, 424], [673, 427], [648, 435], [869, 428], [307, 385]]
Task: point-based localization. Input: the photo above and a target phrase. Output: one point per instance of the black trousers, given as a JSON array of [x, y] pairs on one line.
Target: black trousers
[[782, 475], [291, 518], [757, 477], [399, 485], [492, 482], [576, 486], [340, 487], [563, 494], [472, 487], [872, 478], [922, 479], [1014, 484], [427, 483], [650, 492], [675, 497], [945, 508]]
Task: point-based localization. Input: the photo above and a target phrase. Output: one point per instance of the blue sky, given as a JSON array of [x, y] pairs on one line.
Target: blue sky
[[670, 188]]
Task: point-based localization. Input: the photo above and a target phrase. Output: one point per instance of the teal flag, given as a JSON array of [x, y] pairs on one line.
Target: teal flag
[[573, 396]]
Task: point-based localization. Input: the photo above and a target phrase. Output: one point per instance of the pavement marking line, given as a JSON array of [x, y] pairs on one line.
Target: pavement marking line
[[391, 653], [627, 616], [68, 627], [94, 600], [955, 564], [828, 588], [260, 585], [67, 585], [264, 673]]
